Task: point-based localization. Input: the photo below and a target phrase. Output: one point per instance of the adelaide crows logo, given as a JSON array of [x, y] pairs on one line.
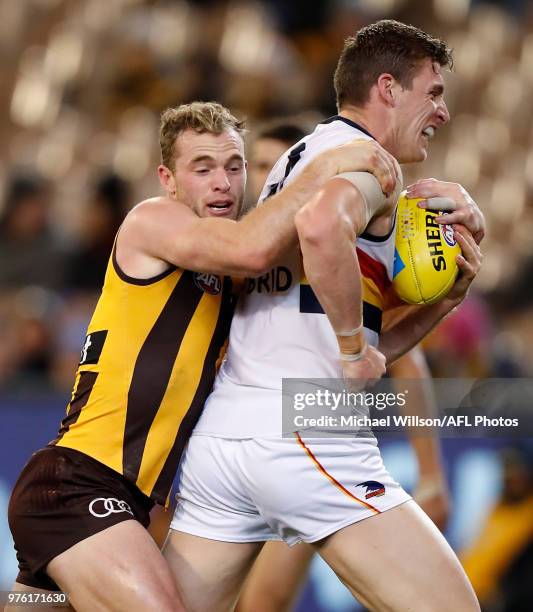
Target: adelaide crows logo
[[373, 488]]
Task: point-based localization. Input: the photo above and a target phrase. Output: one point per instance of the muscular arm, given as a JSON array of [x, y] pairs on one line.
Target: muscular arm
[[327, 228], [172, 232], [404, 327]]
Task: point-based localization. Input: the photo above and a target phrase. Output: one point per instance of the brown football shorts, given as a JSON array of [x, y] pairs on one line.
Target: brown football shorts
[[61, 498]]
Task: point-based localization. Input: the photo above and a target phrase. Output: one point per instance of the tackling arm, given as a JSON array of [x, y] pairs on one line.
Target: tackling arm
[[172, 232]]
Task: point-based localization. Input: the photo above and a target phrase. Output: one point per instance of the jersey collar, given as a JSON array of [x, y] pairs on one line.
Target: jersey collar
[[348, 122]]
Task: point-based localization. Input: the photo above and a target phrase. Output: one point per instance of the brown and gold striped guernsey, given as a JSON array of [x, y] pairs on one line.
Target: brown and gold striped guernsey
[[147, 366]]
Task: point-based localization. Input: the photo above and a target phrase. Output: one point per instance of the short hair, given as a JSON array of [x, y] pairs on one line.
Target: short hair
[[287, 133], [201, 117], [386, 46]]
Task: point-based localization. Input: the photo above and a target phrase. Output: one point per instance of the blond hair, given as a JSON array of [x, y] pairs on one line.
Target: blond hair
[[201, 117]]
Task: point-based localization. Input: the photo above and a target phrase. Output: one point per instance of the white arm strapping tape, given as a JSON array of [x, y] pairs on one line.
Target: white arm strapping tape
[[368, 185]]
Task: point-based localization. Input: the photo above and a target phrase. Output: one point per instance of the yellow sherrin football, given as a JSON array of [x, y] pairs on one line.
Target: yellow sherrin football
[[424, 260]]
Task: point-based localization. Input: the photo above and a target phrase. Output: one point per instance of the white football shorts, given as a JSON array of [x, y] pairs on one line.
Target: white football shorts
[[294, 489]]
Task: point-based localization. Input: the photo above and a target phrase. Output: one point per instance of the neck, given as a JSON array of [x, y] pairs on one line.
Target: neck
[[373, 122]]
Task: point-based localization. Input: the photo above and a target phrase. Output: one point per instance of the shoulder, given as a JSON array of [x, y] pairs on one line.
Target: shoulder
[[145, 241], [157, 206], [154, 225], [157, 215]]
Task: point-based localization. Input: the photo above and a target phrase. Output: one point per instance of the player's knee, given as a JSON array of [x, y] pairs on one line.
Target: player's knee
[[468, 604], [166, 603], [164, 596], [431, 603], [456, 595], [263, 601], [460, 598]]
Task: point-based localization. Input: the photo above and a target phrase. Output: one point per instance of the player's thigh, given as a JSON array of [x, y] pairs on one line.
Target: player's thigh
[[119, 568], [398, 560], [276, 578], [209, 573], [54, 597]]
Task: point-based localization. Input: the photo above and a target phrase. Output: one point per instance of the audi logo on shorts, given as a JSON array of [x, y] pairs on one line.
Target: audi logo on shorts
[[104, 506]]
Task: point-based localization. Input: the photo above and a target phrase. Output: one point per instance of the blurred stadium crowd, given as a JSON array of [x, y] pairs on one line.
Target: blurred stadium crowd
[[83, 84], [82, 87]]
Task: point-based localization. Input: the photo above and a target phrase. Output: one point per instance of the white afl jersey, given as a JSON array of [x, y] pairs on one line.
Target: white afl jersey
[[279, 329]]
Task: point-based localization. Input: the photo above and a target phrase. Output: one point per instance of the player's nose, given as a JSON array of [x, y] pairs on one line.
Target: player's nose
[[220, 180], [442, 112]]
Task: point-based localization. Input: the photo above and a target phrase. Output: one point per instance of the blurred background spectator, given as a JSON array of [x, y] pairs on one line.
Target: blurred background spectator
[[101, 219], [500, 561], [266, 145], [82, 85], [28, 249]]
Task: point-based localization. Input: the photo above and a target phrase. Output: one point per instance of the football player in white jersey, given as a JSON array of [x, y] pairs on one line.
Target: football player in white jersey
[[241, 482], [279, 572]]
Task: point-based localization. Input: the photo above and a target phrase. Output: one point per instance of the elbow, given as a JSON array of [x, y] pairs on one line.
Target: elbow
[[258, 264], [334, 214], [317, 224], [254, 261]]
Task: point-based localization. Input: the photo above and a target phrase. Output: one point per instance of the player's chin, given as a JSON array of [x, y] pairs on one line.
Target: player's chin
[[420, 148], [417, 157]]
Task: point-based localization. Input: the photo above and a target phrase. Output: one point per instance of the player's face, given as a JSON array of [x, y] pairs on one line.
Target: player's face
[[210, 172], [420, 111], [265, 153]]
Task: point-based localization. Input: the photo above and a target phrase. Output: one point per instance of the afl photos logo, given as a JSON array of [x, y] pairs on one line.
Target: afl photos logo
[[104, 506], [209, 283]]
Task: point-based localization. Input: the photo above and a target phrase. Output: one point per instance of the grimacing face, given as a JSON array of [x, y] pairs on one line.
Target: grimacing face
[[209, 173], [419, 112]]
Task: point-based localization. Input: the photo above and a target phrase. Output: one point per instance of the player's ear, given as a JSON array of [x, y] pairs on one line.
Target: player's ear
[[167, 180], [386, 86]]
